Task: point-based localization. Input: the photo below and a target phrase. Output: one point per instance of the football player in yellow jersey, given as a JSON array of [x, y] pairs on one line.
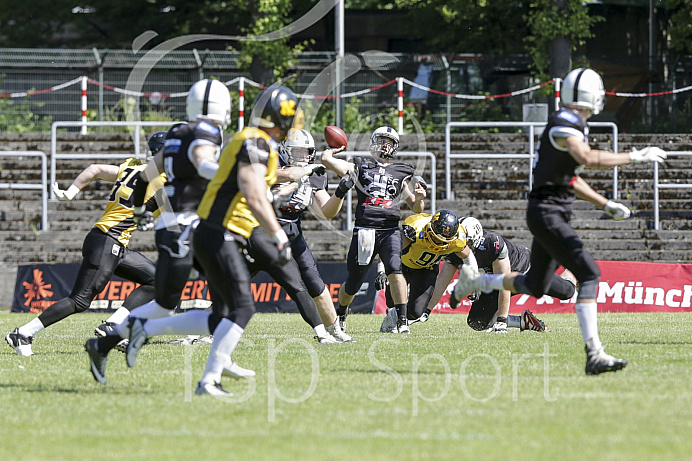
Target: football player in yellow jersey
[[104, 250], [235, 202], [426, 240]]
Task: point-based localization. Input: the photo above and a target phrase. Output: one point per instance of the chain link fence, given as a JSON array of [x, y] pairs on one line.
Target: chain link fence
[[38, 71]]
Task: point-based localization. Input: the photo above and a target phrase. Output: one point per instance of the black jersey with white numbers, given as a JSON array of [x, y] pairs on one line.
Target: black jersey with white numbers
[[184, 186], [555, 167], [301, 199], [379, 190], [494, 247]]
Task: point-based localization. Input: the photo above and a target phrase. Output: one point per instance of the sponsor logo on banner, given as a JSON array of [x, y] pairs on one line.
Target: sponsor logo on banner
[[36, 292]]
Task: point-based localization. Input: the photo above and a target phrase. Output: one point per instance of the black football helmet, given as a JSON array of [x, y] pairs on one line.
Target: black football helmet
[[156, 141], [442, 230], [275, 106]]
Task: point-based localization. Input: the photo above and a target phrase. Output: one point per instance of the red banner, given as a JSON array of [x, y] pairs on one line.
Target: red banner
[[623, 287]]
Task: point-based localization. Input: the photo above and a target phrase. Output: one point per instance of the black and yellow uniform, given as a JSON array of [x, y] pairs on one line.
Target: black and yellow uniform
[[105, 251], [494, 246], [224, 208], [421, 262]]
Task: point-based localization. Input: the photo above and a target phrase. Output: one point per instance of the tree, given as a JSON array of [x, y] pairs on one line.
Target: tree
[[680, 28]]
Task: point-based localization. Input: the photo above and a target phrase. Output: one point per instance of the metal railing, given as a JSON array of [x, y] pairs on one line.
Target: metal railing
[[54, 155], [658, 186], [432, 189], [530, 155], [43, 187]]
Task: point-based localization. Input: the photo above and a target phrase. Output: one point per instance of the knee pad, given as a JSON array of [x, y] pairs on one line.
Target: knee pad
[[587, 289], [521, 287], [477, 324]]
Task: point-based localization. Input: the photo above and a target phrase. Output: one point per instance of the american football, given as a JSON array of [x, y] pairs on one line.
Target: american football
[[335, 136]]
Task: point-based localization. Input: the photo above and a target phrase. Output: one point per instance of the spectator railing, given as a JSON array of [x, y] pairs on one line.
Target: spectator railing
[[432, 189], [531, 126], [658, 186], [43, 187], [138, 153]]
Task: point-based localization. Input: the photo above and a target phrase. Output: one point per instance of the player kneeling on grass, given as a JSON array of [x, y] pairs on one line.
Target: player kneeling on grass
[[426, 240], [497, 255]]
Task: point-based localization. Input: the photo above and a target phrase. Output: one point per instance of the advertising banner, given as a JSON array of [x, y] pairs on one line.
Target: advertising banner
[[38, 286], [623, 287]]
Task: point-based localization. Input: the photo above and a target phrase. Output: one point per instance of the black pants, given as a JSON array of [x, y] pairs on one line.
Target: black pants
[[103, 256], [304, 258], [555, 243], [387, 246], [421, 284], [175, 261]]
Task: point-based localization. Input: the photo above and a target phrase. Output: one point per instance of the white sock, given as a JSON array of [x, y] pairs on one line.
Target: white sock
[[118, 316], [31, 328], [226, 337], [588, 322], [514, 321], [493, 282], [193, 322], [320, 330], [150, 310]]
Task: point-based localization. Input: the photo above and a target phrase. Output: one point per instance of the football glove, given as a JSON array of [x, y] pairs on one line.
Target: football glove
[[65, 195], [498, 327], [453, 301], [421, 181], [344, 186], [380, 281], [474, 295], [617, 211], [316, 168], [285, 255], [648, 154], [144, 220]]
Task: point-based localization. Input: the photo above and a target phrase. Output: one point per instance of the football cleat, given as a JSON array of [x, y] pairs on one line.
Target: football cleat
[[339, 334], [326, 339], [389, 322], [342, 322], [20, 343], [236, 371], [597, 362], [97, 360], [137, 339], [105, 328], [498, 327], [212, 389], [402, 327], [528, 321]]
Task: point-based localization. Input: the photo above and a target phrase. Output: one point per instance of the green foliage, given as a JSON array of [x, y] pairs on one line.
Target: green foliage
[[19, 116], [680, 29], [546, 22], [124, 109]]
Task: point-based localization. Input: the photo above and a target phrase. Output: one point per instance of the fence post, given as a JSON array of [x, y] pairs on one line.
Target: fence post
[[557, 93], [400, 103], [84, 105], [241, 103]]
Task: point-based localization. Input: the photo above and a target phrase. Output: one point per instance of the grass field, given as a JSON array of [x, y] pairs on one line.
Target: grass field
[[444, 392]]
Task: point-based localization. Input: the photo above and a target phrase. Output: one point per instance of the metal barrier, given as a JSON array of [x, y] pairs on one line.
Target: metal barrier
[[54, 156], [530, 155], [43, 187], [433, 179], [658, 186]]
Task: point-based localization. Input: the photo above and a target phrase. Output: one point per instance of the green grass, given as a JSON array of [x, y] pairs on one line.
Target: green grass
[[447, 393]]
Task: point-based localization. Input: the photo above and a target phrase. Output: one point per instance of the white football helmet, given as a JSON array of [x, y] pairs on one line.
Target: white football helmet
[[384, 142], [583, 89], [209, 99], [474, 231], [301, 139]]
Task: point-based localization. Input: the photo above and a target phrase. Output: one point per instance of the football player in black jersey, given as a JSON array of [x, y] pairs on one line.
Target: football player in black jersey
[[563, 152], [302, 185], [105, 253], [234, 205], [189, 160], [380, 186], [497, 255]]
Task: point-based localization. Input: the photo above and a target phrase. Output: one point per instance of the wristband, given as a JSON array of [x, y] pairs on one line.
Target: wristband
[[280, 237], [71, 192]]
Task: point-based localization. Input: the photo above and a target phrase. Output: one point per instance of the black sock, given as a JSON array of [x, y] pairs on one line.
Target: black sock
[[341, 310], [401, 311], [107, 343], [58, 311]]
